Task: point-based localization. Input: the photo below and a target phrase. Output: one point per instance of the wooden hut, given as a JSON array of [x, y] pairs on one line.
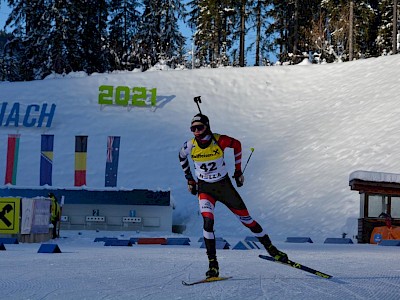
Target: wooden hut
[[379, 194]]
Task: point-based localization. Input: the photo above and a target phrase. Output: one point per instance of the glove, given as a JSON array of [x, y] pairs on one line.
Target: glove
[[239, 178], [192, 184], [192, 187]]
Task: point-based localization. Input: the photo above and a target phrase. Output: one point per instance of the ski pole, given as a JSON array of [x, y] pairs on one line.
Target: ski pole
[[252, 150], [197, 100]]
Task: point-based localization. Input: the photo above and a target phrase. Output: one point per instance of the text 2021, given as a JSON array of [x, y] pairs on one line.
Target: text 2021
[[124, 96]]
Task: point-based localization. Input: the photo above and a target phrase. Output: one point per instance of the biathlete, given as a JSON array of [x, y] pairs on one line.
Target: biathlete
[[213, 184]]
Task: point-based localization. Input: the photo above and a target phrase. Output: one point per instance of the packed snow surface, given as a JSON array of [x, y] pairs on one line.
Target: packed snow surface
[[89, 270]]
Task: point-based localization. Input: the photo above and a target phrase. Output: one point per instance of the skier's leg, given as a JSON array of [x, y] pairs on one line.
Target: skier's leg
[[244, 217], [207, 204]]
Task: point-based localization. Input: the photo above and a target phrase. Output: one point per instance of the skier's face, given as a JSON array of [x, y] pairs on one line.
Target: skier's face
[[198, 129]]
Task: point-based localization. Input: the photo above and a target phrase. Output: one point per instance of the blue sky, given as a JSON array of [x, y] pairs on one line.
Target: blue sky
[[4, 12]]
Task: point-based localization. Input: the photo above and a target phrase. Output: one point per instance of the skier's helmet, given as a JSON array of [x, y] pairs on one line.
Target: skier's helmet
[[202, 119]]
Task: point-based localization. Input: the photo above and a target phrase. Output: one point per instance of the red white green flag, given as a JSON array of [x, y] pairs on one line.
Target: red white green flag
[[12, 159]]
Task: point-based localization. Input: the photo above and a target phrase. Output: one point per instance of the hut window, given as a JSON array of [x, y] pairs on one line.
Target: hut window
[[395, 209], [377, 204]]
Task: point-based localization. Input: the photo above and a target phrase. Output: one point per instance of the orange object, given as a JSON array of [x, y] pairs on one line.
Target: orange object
[[388, 233]]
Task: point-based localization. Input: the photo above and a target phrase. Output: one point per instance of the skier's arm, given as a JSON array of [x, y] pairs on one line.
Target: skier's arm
[[229, 142], [183, 158]]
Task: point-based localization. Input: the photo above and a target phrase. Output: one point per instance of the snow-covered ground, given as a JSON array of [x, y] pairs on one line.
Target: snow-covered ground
[[311, 127], [89, 270]]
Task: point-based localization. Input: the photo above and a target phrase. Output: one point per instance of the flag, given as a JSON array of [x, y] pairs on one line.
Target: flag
[[12, 159], [112, 160], [46, 159], [80, 160]]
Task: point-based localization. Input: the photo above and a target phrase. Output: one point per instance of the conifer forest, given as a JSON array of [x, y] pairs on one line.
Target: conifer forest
[[42, 37]]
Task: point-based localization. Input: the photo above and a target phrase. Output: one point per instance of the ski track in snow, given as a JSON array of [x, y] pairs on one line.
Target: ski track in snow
[[89, 270]]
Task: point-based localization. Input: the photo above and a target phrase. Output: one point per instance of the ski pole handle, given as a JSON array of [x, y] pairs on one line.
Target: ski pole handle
[[197, 100]]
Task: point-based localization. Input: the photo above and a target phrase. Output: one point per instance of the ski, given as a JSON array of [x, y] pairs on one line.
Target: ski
[[206, 280], [297, 266]]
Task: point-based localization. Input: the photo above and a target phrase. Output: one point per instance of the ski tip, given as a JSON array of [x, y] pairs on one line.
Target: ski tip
[[323, 275]]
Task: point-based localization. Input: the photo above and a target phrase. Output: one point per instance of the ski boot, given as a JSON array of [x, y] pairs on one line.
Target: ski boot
[[213, 268], [272, 250]]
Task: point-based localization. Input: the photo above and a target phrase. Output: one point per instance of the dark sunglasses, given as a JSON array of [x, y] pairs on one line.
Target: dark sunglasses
[[197, 127]]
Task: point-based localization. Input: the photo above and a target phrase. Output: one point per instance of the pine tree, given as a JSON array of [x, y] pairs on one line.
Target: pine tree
[[278, 29], [214, 23], [294, 23], [3, 41], [258, 21], [57, 37], [36, 43], [338, 27], [205, 33], [171, 39], [147, 40], [25, 52], [384, 38], [123, 25], [158, 36], [92, 35]]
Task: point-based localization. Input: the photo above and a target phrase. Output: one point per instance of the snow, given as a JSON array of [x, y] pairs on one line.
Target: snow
[[89, 270], [375, 176], [311, 127]]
